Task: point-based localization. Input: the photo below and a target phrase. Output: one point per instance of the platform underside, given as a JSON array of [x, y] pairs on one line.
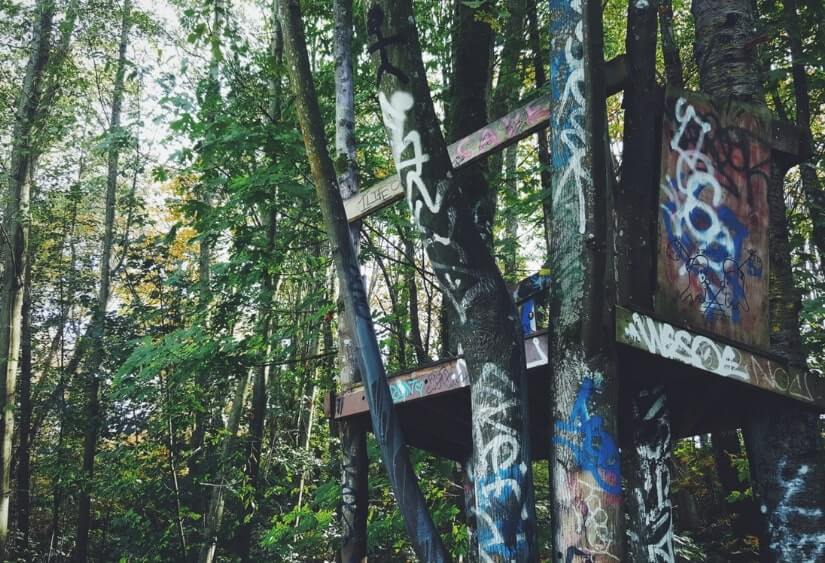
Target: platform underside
[[433, 402]]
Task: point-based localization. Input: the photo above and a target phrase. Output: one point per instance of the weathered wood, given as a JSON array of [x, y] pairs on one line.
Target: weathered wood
[[520, 123], [713, 217], [718, 357], [428, 381]]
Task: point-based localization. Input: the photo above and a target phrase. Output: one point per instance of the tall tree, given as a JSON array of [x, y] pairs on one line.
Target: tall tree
[[783, 441], [811, 185], [93, 416], [420, 528], [16, 227], [470, 281], [353, 434], [583, 356]]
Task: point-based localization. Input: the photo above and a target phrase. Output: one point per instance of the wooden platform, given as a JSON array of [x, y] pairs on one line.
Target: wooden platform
[[712, 384]]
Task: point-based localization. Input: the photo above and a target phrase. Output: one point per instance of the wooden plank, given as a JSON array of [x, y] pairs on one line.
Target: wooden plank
[[501, 133], [713, 266], [717, 357], [428, 381]]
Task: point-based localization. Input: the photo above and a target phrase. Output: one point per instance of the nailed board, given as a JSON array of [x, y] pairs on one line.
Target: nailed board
[[712, 266], [433, 380], [719, 358], [514, 126]]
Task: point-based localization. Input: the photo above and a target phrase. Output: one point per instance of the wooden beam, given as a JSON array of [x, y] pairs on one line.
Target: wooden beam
[[437, 379], [714, 356], [501, 133]]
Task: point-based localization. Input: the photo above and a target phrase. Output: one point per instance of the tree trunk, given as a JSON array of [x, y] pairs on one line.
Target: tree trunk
[[670, 49], [782, 440], [23, 494], [470, 91], [541, 135], [585, 462], [488, 327], [811, 185], [420, 528], [17, 223], [92, 387], [354, 463], [217, 499], [648, 502]]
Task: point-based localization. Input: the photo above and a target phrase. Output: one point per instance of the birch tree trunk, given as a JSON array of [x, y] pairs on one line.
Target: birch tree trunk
[[17, 223], [98, 328], [354, 462], [488, 327], [585, 464], [386, 427], [782, 440]]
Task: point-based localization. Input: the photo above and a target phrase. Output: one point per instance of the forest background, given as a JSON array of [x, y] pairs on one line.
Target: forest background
[[177, 259]]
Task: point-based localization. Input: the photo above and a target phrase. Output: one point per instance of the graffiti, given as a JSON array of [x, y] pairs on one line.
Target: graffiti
[[653, 443], [713, 218], [461, 286], [704, 234], [529, 295], [594, 448], [594, 522], [798, 542], [701, 352], [505, 130], [569, 145], [500, 471], [375, 20], [404, 390]]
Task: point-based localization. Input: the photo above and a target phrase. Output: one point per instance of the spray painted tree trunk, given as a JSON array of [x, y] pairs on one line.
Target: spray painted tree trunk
[[386, 427], [353, 434], [470, 93], [782, 440], [585, 465], [92, 370], [17, 223], [488, 327], [648, 503]]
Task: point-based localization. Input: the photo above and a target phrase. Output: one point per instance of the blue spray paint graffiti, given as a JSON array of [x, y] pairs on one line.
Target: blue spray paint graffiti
[[704, 235], [594, 448], [530, 294], [501, 494]]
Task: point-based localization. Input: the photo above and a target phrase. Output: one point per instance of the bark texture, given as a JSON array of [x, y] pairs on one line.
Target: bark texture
[[420, 528], [354, 463], [648, 502], [16, 227], [488, 327], [586, 483], [783, 442], [98, 325]]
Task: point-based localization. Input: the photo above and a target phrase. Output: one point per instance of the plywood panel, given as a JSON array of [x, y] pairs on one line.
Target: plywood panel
[[712, 266]]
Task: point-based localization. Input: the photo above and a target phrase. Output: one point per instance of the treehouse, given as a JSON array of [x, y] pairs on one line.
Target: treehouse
[[701, 328]]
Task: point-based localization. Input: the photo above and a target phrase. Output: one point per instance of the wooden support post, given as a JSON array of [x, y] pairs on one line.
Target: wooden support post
[[585, 466]]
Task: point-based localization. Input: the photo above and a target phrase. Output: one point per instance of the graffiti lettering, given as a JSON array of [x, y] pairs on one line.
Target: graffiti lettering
[[798, 541], [593, 447], [404, 390], [701, 352], [499, 469]]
